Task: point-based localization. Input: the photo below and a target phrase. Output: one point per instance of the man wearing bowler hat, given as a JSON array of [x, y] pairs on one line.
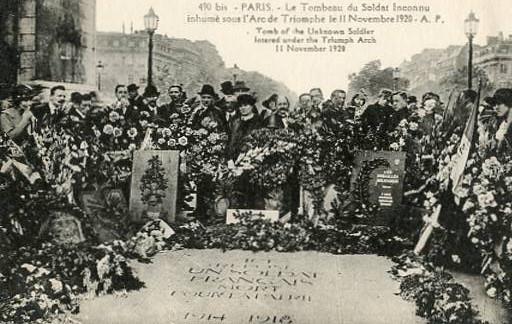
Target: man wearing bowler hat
[[150, 97], [207, 115], [134, 97], [240, 88], [228, 104]]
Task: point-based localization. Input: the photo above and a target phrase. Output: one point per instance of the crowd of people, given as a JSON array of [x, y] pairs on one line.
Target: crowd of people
[[234, 110]]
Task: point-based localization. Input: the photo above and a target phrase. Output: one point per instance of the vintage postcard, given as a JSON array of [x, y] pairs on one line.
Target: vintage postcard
[[256, 162]]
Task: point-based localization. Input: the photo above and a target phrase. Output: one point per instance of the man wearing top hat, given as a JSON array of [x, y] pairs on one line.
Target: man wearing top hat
[[134, 97], [207, 115]]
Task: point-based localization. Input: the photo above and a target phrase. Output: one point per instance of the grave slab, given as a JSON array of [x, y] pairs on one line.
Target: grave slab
[[237, 287]]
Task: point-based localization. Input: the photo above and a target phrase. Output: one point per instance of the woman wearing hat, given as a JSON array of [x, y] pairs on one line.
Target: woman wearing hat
[[18, 119], [246, 122], [503, 100]]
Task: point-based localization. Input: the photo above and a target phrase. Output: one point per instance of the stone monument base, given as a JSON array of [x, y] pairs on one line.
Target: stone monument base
[[237, 287]]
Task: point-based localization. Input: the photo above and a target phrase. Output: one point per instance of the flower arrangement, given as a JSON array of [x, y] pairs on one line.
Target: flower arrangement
[[437, 296], [41, 282]]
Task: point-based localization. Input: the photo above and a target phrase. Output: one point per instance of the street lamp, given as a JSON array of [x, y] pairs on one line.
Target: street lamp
[[470, 29], [396, 77], [99, 68], [236, 71], [151, 24]]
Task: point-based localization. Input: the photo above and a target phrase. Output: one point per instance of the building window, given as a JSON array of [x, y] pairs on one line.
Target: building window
[[503, 68]]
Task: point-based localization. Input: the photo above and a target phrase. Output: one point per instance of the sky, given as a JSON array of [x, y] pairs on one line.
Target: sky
[[302, 71]]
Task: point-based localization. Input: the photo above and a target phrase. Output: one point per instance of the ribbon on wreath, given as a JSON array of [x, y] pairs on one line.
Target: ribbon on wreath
[[11, 165], [147, 142], [430, 224]]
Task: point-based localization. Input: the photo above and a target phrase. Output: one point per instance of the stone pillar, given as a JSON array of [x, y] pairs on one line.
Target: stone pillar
[[27, 40]]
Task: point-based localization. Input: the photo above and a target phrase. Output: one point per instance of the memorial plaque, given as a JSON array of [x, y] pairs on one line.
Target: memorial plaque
[[154, 185], [107, 209], [65, 229], [384, 177], [242, 287]]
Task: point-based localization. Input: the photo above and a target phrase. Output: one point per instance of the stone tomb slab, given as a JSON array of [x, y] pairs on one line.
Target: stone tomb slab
[[238, 287]]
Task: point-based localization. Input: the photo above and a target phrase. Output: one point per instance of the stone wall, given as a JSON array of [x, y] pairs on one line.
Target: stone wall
[[8, 41]]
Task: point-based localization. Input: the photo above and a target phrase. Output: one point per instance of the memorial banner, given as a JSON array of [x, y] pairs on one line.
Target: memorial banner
[[154, 185], [377, 179]]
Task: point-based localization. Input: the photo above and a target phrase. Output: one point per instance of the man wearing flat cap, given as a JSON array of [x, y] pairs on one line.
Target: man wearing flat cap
[[207, 115]]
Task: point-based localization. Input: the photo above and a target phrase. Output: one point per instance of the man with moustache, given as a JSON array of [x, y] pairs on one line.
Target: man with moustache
[[175, 105], [230, 110], [122, 104], [51, 112], [305, 103], [176, 95], [334, 111], [279, 118], [228, 104], [149, 99], [207, 115]]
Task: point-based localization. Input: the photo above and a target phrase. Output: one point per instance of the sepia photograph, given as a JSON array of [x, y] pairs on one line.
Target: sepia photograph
[[255, 162]]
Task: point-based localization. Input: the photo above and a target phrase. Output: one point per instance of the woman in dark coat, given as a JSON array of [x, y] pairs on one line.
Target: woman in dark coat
[[247, 121]]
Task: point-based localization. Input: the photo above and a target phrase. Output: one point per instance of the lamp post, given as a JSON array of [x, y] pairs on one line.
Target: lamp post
[[470, 29], [396, 78], [99, 68], [151, 24]]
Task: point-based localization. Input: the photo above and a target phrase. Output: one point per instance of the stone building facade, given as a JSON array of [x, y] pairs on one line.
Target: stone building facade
[[124, 58], [427, 68], [52, 40], [496, 59]]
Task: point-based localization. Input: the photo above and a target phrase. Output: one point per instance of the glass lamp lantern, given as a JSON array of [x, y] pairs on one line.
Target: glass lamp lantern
[[471, 25], [151, 21], [396, 73]]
